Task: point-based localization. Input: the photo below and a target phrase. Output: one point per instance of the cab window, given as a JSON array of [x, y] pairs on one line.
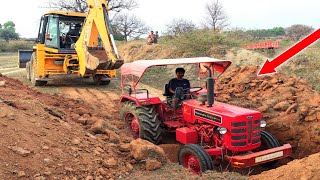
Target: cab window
[[51, 37]]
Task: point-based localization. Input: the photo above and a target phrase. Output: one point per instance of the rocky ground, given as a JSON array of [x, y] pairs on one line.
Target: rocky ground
[[53, 137]]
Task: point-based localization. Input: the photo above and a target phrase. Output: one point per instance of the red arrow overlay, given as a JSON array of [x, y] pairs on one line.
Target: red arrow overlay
[[269, 66]]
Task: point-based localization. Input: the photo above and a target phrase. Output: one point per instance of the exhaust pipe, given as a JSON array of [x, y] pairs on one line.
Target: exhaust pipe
[[210, 88]]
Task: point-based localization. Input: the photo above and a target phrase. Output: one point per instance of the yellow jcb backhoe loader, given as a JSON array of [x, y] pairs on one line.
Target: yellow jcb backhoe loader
[[73, 43]]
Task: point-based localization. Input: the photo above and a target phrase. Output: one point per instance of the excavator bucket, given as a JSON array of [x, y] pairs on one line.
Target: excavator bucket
[[24, 57], [97, 59]]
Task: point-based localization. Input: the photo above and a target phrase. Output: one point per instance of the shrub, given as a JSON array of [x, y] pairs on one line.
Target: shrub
[[195, 43]]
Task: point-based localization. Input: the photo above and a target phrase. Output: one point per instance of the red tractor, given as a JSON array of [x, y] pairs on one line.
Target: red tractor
[[209, 130]]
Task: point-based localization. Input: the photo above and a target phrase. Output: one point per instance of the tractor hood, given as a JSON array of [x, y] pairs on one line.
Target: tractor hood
[[222, 110]]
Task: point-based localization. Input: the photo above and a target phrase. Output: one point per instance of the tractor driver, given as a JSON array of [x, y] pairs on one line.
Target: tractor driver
[[179, 81]]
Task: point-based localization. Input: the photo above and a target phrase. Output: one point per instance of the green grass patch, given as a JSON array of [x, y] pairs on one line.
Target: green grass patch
[[13, 46], [305, 65]]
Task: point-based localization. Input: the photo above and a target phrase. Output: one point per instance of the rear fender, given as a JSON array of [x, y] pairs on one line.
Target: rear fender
[[24, 57], [141, 101]]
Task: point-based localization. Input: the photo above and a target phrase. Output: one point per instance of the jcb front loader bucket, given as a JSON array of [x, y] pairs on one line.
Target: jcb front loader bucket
[[24, 57]]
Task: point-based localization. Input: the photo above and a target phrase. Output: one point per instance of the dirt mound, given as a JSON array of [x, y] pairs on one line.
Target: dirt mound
[[136, 50], [54, 137], [306, 168], [289, 105]]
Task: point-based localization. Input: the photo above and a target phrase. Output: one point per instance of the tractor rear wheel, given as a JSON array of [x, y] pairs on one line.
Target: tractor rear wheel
[[28, 70], [268, 141], [33, 72], [142, 121], [195, 158], [150, 124]]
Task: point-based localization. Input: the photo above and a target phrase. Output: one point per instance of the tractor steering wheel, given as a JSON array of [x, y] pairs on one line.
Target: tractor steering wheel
[[181, 93], [192, 90]]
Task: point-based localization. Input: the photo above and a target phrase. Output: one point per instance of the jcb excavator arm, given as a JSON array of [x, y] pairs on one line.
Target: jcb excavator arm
[[93, 54]]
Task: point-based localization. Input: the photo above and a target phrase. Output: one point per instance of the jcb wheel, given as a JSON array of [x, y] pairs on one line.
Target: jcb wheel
[[28, 71], [268, 141], [33, 72], [142, 121], [101, 80], [195, 158]]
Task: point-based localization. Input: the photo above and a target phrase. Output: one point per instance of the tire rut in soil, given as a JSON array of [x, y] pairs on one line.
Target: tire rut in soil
[[94, 97], [100, 95], [87, 96], [102, 98]]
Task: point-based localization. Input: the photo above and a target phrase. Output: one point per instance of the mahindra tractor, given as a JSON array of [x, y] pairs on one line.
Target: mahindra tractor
[[210, 131]]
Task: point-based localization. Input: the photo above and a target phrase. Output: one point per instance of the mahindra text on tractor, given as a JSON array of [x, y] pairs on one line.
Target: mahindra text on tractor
[[210, 131]]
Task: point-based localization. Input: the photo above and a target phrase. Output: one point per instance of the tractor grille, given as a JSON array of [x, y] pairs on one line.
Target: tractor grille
[[245, 133]]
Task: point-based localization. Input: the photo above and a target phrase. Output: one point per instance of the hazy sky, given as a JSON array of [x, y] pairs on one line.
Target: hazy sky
[[248, 14]]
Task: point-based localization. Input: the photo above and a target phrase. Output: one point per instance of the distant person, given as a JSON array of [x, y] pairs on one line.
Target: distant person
[[151, 38], [156, 37]]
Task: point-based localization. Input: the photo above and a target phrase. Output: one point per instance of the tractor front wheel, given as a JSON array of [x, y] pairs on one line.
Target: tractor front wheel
[[268, 141], [142, 121], [195, 158]]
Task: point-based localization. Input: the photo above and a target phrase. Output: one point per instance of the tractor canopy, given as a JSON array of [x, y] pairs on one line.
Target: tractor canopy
[[137, 68]]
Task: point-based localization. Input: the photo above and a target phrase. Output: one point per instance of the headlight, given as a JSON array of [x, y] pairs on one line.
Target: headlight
[[222, 130], [263, 124]]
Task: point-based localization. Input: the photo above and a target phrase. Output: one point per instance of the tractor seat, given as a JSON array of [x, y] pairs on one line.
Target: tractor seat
[[168, 95], [166, 92]]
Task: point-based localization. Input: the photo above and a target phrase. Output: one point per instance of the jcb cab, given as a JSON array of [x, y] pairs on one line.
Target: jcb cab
[[210, 130]]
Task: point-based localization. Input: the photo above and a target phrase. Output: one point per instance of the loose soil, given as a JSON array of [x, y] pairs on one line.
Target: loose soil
[[306, 168], [56, 137]]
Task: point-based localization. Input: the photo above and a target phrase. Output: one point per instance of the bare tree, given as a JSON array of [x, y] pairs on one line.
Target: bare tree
[[130, 26], [178, 26], [81, 5], [297, 31], [68, 5], [216, 17], [119, 5]]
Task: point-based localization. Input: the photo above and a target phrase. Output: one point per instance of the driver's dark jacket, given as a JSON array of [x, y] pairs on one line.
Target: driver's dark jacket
[[174, 83]]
